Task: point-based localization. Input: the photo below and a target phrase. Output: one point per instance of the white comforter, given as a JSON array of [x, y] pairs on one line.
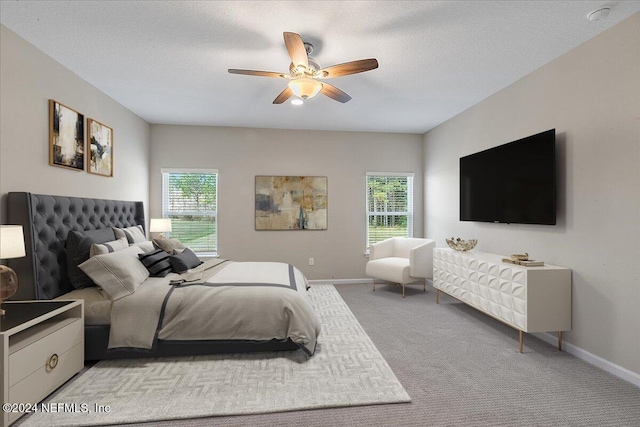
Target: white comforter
[[222, 300]]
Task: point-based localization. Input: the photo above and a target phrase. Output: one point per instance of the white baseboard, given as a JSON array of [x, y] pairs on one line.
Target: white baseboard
[[341, 281], [580, 353]]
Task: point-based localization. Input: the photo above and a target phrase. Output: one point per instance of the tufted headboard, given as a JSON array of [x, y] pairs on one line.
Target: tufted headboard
[[47, 220]]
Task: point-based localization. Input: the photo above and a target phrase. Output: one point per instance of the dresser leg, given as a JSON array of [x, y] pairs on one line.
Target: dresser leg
[[520, 343], [437, 296], [559, 340]]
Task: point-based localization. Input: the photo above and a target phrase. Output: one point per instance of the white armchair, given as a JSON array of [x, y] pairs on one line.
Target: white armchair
[[401, 260]]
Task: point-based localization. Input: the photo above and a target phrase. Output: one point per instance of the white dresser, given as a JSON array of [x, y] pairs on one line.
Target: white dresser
[[41, 347], [529, 299]]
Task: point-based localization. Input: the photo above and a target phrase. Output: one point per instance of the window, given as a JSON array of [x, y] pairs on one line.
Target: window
[[389, 206], [190, 199]]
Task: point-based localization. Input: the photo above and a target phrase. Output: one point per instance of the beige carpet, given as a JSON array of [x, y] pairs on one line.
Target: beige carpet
[[347, 370]]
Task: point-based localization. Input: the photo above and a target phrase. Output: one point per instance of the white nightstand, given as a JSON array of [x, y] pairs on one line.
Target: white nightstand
[[42, 346]]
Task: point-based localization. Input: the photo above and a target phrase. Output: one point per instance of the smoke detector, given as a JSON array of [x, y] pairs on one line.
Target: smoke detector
[[599, 14]]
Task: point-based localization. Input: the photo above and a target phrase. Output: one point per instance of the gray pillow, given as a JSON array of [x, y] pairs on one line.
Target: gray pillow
[[78, 245], [157, 262], [184, 261]]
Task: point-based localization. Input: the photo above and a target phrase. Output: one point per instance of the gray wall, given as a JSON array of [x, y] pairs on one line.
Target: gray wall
[[28, 79], [591, 95], [240, 154]]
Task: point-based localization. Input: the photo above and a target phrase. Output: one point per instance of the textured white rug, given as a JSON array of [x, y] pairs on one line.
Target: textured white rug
[[346, 370]]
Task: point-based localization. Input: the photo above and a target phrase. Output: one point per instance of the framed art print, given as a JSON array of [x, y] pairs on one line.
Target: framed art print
[[291, 203], [66, 137], [100, 151]]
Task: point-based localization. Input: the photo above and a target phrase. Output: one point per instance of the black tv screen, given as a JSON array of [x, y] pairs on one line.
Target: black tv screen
[[512, 183]]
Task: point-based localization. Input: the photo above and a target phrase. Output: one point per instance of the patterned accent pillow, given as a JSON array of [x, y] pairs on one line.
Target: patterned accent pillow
[[108, 247], [171, 246], [157, 262], [184, 261], [132, 234]]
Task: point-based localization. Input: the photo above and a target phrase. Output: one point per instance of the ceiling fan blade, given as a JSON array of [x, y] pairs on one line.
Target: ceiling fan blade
[[258, 73], [347, 68], [284, 95], [334, 93], [296, 49]]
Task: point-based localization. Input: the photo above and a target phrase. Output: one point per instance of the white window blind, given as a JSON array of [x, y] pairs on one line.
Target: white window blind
[[389, 206], [190, 199]]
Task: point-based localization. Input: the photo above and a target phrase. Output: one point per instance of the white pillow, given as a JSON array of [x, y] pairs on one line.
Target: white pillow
[[107, 247], [132, 234], [118, 273], [146, 246]]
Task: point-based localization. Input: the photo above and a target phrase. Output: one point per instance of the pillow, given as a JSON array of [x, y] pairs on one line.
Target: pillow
[[118, 273], [132, 234], [157, 262], [78, 246], [184, 261], [107, 247], [146, 246], [171, 246]]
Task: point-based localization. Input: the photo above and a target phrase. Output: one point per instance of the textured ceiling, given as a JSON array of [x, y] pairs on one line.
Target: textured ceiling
[[167, 61]]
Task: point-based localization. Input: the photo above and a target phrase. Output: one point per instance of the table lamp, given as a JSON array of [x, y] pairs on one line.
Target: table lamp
[[11, 246], [160, 225]]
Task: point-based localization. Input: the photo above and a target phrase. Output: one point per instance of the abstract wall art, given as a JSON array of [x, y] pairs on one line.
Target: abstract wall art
[[291, 203], [100, 152], [66, 137]]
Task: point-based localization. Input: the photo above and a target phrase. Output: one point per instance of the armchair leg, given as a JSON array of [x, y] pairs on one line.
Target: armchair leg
[[374, 285], [403, 290], [424, 286]]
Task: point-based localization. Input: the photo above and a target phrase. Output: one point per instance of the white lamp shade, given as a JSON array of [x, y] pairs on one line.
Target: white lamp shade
[[160, 225], [11, 242], [305, 87]]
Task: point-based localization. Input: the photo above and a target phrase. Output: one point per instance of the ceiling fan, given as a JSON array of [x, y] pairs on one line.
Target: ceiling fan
[[305, 74]]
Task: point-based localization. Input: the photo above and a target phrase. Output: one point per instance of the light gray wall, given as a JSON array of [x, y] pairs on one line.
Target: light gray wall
[[240, 154], [28, 79], [591, 95]]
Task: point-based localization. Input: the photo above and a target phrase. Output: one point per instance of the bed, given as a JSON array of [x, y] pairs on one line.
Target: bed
[[48, 221]]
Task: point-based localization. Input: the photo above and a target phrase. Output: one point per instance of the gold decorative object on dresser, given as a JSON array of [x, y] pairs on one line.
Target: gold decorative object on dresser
[[42, 347], [529, 299]]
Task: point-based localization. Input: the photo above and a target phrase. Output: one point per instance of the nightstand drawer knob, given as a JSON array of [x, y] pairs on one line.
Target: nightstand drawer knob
[[53, 361]]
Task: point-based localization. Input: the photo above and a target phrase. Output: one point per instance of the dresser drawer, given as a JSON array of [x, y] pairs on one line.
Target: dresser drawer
[[37, 355], [36, 386]]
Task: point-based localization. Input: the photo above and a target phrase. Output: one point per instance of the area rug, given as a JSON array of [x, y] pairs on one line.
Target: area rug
[[346, 370]]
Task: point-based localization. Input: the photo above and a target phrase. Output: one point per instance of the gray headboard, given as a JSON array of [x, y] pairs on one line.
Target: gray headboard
[[47, 220]]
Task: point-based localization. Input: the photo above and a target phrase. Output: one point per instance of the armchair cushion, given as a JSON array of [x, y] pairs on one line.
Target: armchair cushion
[[393, 269], [401, 260]]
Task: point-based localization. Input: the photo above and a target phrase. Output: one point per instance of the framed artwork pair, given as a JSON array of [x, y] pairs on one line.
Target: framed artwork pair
[[67, 147]]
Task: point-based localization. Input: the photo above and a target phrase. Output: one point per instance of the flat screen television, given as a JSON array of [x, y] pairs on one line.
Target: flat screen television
[[512, 183]]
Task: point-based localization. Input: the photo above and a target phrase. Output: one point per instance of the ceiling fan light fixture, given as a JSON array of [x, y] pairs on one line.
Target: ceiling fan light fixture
[[599, 14], [305, 87]]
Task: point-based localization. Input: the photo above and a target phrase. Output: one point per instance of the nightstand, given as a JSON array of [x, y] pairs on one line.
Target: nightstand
[[42, 346]]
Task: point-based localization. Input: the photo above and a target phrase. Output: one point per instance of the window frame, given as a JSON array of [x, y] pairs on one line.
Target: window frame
[[165, 199], [410, 198]]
